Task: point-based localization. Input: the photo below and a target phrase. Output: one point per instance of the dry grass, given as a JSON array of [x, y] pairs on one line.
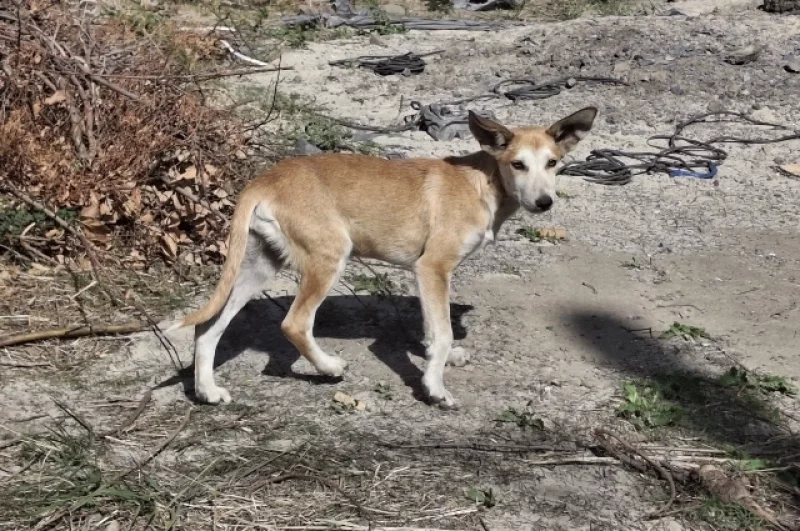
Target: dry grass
[[106, 121]]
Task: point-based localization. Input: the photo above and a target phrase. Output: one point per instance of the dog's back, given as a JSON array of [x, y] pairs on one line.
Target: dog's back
[[386, 207]]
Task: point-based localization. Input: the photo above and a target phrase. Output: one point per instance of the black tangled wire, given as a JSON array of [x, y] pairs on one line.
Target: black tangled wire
[[676, 154]]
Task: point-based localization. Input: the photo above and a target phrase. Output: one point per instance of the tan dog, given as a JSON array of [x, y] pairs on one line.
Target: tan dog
[[311, 214]]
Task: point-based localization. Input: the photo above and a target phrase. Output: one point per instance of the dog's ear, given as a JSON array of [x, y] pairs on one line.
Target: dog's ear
[[568, 131], [492, 136]]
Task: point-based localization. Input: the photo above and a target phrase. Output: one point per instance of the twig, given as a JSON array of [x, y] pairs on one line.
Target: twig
[[330, 484], [601, 435], [74, 415], [573, 460], [92, 284], [71, 333], [92, 254], [241, 56], [160, 448], [509, 448], [128, 422], [196, 77], [24, 365], [19, 256]]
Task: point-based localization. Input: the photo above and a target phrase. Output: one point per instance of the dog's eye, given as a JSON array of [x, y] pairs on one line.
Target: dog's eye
[[552, 163], [518, 165]]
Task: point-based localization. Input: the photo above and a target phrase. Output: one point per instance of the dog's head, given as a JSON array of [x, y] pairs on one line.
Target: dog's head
[[528, 157]]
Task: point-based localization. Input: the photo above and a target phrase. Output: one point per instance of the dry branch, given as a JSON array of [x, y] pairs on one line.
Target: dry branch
[[603, 436], [72, 333], [128, 422], [93, 118]]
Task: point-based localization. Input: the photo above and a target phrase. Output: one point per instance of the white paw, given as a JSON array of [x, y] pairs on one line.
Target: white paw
[[213, 395], [332, 366], [458, 357], [438, 395]]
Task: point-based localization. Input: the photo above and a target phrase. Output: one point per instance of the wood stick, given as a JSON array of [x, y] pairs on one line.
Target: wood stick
[[71, 333], [128, 422], [602, 436]]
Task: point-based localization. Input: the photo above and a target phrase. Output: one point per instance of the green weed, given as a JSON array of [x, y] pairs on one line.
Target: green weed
[[685, 332], [484, 497], [738, 377], [384, 390], [523, 419], [439, 6], [510, 270], [570, 9], [13, 221], [729, 516], [378, 284], [539, 235], [646, 407], [563, 194]]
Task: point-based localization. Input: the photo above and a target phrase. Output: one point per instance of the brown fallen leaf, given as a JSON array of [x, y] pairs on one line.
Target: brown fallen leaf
[[793, 169], [734, 489], [348, 401], [189, 175], [553, 234], [57, 97], [169, 246]]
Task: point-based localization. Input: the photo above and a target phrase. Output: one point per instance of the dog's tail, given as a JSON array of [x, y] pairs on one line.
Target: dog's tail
[[237, 245]]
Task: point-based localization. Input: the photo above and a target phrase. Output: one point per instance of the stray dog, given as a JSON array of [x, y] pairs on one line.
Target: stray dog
[[312, 213]]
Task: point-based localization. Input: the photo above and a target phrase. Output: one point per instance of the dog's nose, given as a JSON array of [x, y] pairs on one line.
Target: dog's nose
[[544, 202]]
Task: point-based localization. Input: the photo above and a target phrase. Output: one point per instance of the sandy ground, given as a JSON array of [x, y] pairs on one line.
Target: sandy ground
[[548, 325]]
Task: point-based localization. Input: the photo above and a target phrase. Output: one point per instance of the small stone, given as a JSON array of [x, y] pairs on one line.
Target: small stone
[[715, 106], [622, 68], [394, 10], [677, 90], [743, 56], [571, 82], [766, 115], [304, 148], [374, 39]]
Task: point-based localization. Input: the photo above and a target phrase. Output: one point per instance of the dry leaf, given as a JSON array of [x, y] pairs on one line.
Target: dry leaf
[[793, 169], [189, 175], [96, 231], [57, 97], [553, 234], [37, 269], [348, 401], [90, 211], [169, 246]]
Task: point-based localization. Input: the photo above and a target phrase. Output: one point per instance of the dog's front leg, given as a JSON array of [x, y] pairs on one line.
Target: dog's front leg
[[433, 278]]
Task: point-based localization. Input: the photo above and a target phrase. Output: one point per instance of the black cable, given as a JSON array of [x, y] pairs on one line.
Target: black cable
[[682, 156]]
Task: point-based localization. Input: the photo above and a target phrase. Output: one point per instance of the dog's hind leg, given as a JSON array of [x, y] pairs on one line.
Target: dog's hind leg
[[318, 276], [260, 264]]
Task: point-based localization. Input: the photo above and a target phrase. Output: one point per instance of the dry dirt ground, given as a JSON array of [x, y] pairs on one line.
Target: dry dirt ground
[[554, 329]]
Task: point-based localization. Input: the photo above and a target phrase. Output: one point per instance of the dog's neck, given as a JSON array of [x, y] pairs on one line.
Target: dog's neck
[[484, 174]]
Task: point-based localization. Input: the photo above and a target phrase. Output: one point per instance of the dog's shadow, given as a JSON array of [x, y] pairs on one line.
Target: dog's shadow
[[395, 324]]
